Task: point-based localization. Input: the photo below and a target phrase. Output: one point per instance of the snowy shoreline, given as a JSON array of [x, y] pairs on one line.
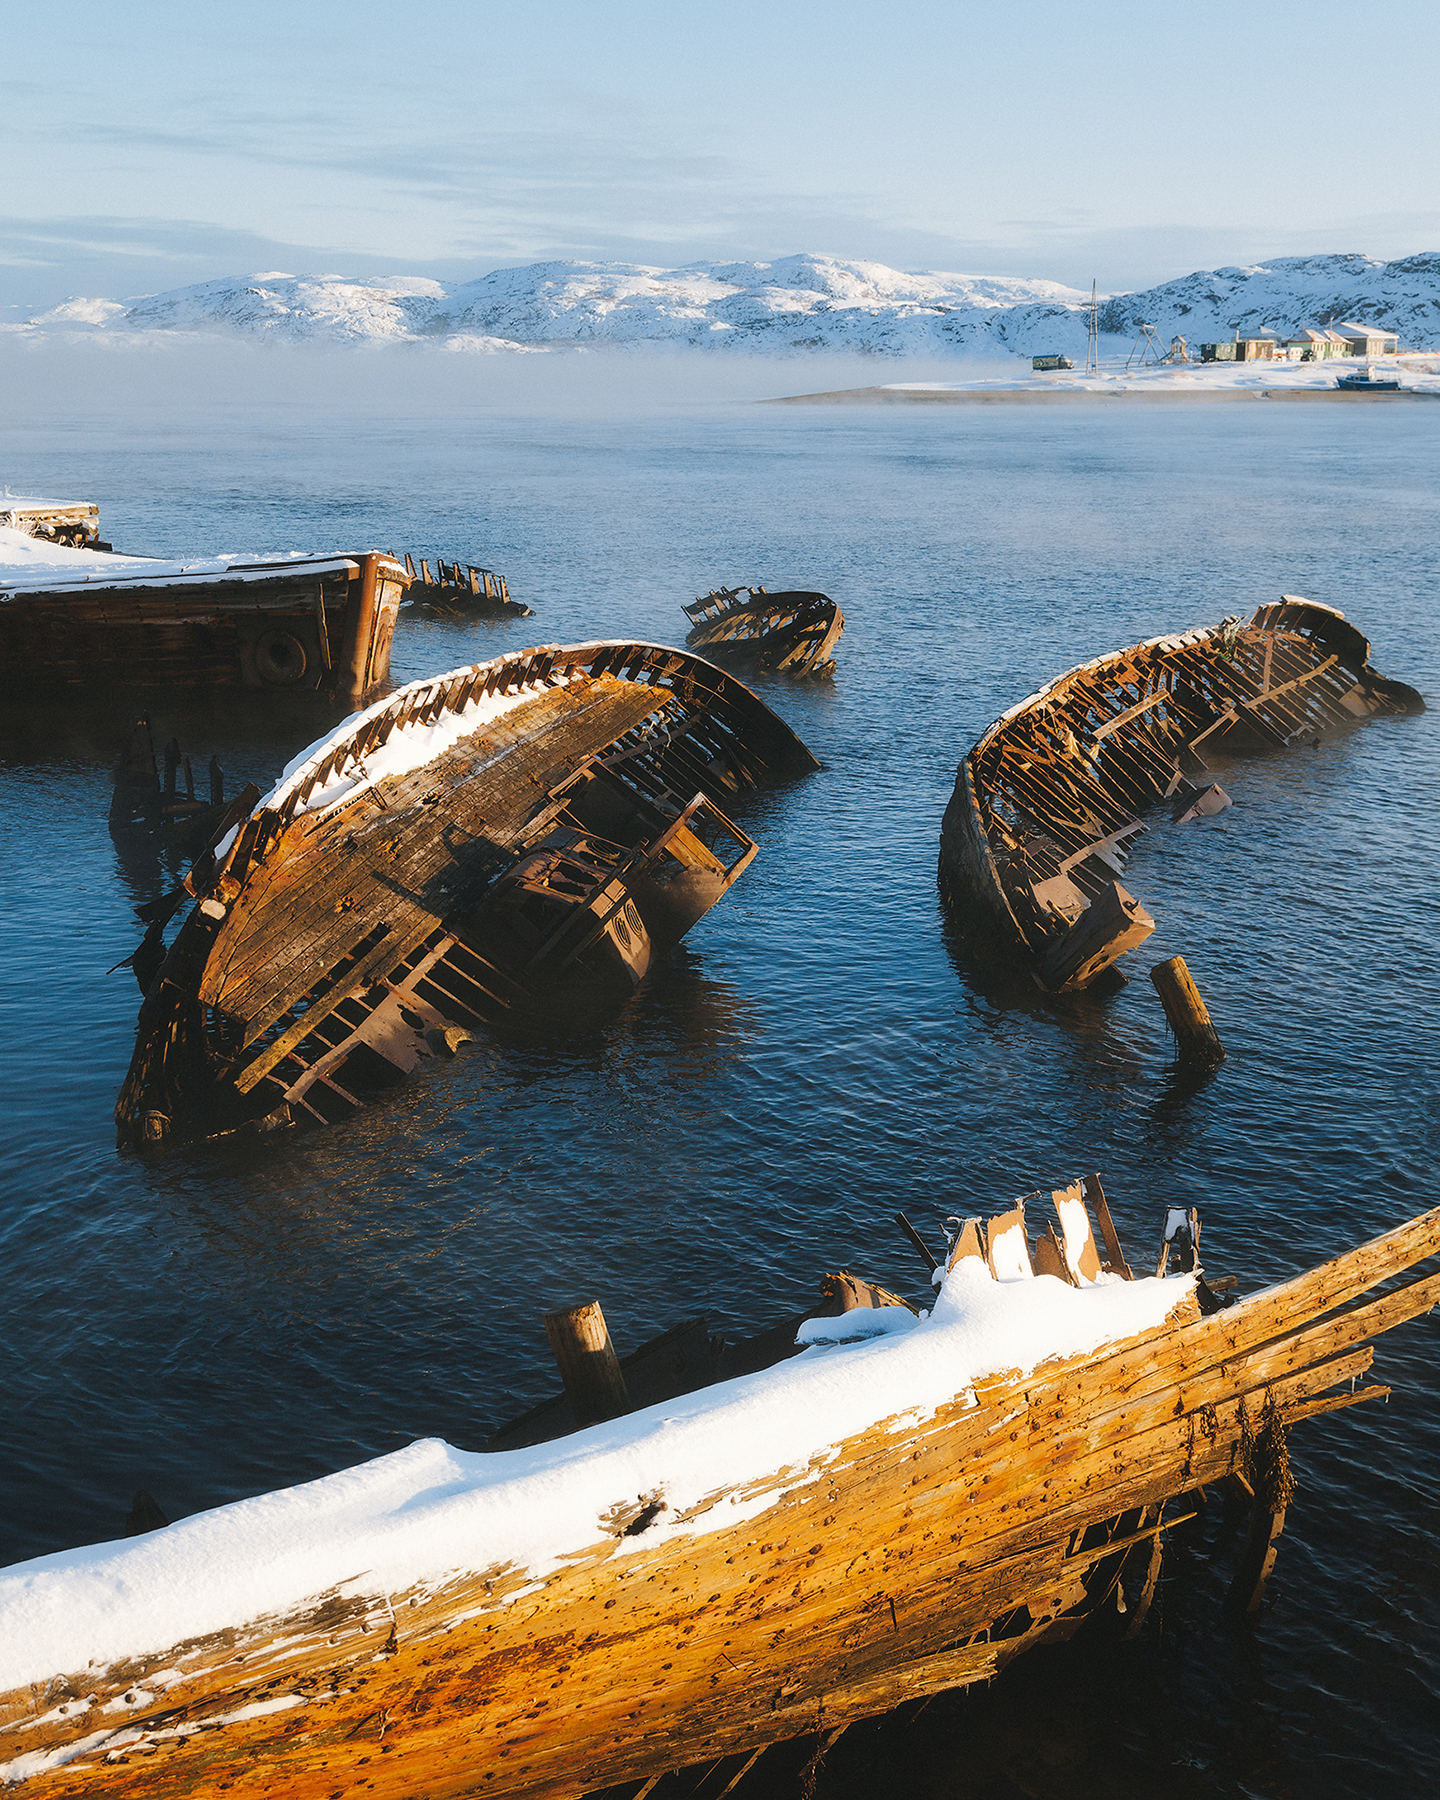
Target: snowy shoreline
[[1419, 376]]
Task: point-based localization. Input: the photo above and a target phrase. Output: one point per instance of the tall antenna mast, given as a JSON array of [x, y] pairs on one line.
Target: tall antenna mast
[[1092, 347]]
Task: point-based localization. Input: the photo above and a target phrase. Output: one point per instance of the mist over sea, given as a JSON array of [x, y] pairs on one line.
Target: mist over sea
[[214, 1322]]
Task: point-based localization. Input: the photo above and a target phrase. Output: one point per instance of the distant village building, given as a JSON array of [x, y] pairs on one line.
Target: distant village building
[[1368, 340], [1247, 346], [1311, 344]]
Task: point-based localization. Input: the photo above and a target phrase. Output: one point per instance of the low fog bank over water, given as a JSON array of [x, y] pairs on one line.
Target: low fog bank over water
[[186, 378], [821, 1050]]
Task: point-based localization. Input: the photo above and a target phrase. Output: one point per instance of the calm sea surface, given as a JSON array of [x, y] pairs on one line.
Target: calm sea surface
[[215, 1322]]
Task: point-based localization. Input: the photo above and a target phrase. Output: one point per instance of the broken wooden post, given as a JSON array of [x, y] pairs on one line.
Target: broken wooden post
[[217, 782], [1196, 1038], [189, 779], [967, 1241], [353, 672], [1094, 1195], [589, 1367]]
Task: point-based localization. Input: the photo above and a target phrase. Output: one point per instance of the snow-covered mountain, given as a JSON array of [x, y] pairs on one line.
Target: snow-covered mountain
[[789, 307], [1286, 294]]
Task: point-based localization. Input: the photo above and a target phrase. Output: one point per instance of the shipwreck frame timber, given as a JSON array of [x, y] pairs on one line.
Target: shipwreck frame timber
[[347, 927], [457, 592], [792, 633], [1036, 832], [297, 626], [911, 1558]]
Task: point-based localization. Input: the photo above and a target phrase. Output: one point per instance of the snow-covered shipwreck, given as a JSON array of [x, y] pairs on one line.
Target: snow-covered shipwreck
[[1048, 800], [517, 834], [756, 1557], [73, 618]]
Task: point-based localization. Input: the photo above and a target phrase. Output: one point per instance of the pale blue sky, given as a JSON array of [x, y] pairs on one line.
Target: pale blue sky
[[153, 144]]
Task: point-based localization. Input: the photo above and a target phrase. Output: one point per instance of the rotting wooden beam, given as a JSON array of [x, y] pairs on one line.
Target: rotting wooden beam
[[1196, 1039]]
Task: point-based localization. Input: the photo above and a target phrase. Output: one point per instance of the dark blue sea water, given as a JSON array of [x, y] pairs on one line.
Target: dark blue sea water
[[215, 1322]]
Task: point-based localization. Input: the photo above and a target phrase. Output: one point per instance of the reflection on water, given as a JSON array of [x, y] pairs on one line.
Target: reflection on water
[[822, 1050]]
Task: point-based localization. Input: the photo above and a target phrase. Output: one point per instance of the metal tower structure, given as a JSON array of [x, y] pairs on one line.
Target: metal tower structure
[[1092, 347], [1147, 348]]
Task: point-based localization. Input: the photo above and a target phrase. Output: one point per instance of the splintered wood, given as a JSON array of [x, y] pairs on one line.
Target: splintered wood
[[904, 1562], [1037, 830]]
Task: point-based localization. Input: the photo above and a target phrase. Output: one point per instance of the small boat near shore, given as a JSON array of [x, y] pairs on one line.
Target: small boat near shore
[[74, 618], [867, 1506], [750, 629], [1048, 800], [515, 838], [1366, 381]]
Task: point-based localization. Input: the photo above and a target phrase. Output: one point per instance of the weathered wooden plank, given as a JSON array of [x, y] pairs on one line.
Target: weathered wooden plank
[[296, 924]]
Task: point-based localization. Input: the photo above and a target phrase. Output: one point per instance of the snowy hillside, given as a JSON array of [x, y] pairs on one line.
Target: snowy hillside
[[1286, 294], [789, 307]]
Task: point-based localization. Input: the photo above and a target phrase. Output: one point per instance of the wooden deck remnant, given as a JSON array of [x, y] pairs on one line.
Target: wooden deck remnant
[[1036, 832], [750, 629], [567, 829], [919, 1554]]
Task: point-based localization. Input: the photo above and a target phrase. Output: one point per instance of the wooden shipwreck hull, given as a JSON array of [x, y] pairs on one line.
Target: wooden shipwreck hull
[[454, 592], [298, 626], [747, 628], [1048, 800], [910, 1558], [551, 821]]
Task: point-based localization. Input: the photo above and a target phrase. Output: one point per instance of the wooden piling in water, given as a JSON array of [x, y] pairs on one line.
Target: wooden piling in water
[[1195, 1034], [587, 1361]]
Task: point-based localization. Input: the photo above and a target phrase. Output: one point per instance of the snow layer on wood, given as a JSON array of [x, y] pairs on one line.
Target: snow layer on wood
[[112, 1738], [29, 562], [1074, 1230], [430, 1510], [37, 503], [409, 747], [1010, 1254], [23, 558]]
